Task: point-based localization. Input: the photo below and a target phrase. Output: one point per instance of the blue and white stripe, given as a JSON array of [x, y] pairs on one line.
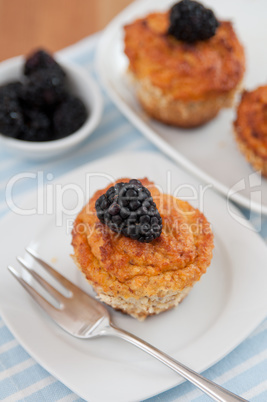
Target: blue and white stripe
[[244, 370]]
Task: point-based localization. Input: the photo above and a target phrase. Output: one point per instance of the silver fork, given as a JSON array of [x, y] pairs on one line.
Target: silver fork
[[84, 317]]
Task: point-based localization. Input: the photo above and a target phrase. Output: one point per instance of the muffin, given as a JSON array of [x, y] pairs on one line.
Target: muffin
[[250, 128], [142, 275], [182, 74]]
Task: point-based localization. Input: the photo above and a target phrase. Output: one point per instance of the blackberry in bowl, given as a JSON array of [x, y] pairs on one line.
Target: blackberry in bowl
[[41, 60], [32, 93], [68, 116]]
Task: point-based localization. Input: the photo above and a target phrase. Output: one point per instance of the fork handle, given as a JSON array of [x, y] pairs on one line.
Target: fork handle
[[213, 390]]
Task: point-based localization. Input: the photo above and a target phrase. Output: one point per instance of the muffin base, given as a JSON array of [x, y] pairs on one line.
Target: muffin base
[[186, 114], [257, 162], [145, 306]]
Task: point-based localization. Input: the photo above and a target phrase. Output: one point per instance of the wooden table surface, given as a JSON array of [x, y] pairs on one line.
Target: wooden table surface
[[52, 24]]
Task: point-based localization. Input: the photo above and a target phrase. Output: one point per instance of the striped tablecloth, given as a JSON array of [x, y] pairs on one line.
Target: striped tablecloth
[[244, 370]]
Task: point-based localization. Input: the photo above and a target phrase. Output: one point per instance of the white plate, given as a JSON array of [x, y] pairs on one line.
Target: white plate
[[209, 152], [221, 310]]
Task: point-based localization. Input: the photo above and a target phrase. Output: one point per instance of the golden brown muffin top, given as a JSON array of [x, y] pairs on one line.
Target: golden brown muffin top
[[251, 120], [120, 265], [184, 71]]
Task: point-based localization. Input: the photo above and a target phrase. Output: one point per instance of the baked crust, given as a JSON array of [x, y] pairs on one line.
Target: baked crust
[[250, 128], [144, 278], [198, 78], [179, 113]]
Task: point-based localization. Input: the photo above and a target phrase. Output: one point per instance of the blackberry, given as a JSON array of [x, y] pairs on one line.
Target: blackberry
[[128, 208], [11, 117], [41, 60], [45, 88], [12, 90], [69, 116], [37, 126], [191, 21]]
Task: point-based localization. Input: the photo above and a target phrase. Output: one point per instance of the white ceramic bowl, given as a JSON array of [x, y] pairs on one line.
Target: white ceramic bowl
[[80, 84]]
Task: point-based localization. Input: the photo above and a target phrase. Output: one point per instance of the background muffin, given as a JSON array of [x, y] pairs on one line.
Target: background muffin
[[142, 279], [250, 128], [183, 82]]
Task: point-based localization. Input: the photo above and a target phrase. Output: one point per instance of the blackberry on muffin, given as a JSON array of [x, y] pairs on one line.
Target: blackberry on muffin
[[185, 64], [191, 21], [128, 208], [136, 277]]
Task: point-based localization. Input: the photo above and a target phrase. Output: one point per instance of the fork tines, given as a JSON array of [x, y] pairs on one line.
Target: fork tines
[[76, 312], [52, 291]]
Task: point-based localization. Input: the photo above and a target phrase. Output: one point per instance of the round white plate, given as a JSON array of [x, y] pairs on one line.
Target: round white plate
[[222, 309], [208, 152]]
